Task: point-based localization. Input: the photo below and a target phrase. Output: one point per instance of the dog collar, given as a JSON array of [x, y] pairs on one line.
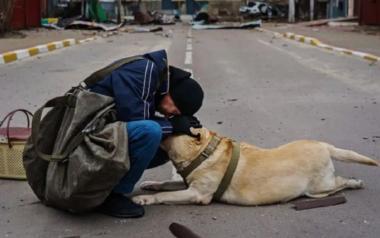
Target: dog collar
[[205, 154]]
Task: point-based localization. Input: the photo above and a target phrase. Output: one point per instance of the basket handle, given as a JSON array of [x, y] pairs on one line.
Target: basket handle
[[9, 116]]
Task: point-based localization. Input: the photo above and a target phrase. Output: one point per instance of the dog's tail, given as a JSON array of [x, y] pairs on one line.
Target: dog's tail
[[350, 156]]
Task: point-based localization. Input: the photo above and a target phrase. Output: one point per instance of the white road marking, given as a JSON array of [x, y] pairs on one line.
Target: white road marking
[[189, 47], [189, 53], [189, 33], [189, 57]]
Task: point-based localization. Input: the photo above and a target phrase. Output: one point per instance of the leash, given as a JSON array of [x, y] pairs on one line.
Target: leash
[[205, 154]]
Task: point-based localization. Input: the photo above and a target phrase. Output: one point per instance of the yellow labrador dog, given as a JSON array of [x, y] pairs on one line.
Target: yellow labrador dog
[[262, 176]]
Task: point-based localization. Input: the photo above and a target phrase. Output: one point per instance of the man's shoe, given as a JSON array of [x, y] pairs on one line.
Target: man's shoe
[[118, 205]]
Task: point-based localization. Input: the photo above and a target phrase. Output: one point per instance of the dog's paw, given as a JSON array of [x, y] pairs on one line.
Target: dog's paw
[[144, 199], [150, 185]]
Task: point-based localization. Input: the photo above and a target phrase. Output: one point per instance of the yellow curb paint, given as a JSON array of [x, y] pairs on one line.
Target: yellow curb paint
[[51, 46], [9, 57], [33, 51], [12, 56], [66, 43], [371, 58], [315, 42], [347, 52]]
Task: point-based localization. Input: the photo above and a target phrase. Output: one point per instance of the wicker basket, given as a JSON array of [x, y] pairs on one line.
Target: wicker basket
[[11, 161], [12, 142]]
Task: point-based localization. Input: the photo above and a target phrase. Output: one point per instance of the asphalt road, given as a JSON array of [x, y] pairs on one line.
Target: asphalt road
[[259, 89]]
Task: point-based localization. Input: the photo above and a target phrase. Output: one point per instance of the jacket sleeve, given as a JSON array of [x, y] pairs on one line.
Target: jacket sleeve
[[166, 126]]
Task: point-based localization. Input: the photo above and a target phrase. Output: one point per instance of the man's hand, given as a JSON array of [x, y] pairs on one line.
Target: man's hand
[[182, 124]]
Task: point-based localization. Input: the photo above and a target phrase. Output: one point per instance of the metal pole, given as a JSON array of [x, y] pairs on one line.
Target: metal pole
[[351, 8], [119, 11], [311, 10], [291, 16]]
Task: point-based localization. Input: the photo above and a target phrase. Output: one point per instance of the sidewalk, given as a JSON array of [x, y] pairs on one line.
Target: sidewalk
[[29, 38], [359, 38]]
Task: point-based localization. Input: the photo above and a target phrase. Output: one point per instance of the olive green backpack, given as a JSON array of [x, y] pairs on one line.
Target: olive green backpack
[[78, 151]]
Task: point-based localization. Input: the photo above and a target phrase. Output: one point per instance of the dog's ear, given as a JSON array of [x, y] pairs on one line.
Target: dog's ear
[[201, 134]]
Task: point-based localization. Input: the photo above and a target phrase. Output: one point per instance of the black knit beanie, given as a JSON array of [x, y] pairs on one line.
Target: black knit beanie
[[186, 93]]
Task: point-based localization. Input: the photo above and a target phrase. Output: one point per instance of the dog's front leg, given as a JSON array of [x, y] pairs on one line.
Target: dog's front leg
[[188, 196]]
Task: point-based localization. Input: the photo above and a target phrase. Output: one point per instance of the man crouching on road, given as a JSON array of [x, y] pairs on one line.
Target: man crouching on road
[[141, 88]]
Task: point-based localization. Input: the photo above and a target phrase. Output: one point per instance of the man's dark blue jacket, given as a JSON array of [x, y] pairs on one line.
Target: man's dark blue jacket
[[135, 87]]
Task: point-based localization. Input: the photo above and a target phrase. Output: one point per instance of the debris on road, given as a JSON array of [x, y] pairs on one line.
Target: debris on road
[[51, 23], [319, 202], [181, 231], [326, 21], [154, 17], [232, 100], [338, 24], [227, 25], [138, 29], [203, 18], [78, 24]]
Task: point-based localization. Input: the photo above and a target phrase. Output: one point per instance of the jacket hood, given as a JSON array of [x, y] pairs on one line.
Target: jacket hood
[[159, 58]]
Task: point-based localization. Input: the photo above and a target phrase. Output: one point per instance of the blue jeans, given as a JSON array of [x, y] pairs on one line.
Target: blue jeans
[[144, 138]]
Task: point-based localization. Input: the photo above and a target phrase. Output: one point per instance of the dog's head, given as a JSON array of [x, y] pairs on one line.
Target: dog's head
[[183, 148]]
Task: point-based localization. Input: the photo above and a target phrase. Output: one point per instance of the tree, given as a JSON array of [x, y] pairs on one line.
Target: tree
[[6, 10]]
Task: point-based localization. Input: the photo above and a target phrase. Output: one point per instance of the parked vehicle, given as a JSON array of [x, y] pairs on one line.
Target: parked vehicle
[[259, 9]]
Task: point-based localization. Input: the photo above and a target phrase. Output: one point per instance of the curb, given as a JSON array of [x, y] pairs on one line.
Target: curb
[[315, 42], [13, 56]]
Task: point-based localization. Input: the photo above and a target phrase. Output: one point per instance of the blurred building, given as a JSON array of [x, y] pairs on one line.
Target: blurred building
[[26, 14], [369, 12]]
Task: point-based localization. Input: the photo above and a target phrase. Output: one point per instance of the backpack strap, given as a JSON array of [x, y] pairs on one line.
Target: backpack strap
[[102, 73], [63, 101]]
